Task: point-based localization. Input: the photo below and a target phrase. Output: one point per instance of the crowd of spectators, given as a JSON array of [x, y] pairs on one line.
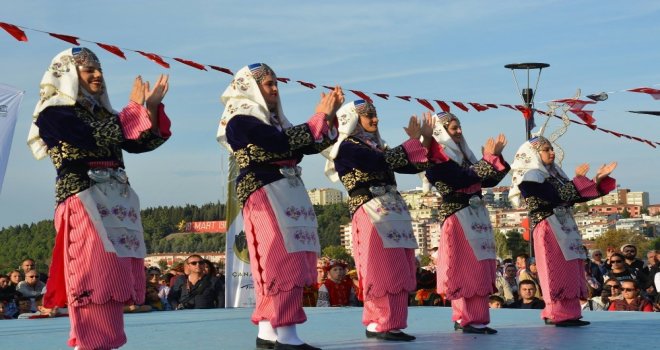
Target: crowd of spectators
[[616, 281]]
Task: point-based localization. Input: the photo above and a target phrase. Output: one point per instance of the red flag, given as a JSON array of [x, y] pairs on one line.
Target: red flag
[[362, 95], [222, 69], [508, 106], [460, 105], [112, 49], [425, 103], [491, 105], [444, 106], [574, 103], [306, 84], [478, 107], [68, 38], [383, 96], [637, 138], [14, 31], [155, 58], [650, 143], [284, 80], [328, 87], [405, 98], [191, 63], [655, 93], [586, 116]]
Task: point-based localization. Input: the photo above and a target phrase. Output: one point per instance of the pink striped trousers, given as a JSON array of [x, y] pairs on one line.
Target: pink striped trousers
[[562, 281], [279, 276], [387, 276]]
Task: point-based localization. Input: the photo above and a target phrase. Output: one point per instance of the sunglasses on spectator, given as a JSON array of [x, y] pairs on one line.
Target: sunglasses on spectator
[[30, 276], [610, 286], [616, 261], [194, 263], [628, 289]]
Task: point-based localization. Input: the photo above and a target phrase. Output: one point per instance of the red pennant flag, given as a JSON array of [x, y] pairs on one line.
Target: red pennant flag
[[650, 143], [284, 80], [362, 95], [112, 49], [444, 106], [614, 133], [328, 87], [383, 96], [526, 112], [508, 106], [460, 105], [586, 116], [425, 103], [155, 58], [405, 98], [478, 107], [306, 84], [191, 63], [491, 105], [637, 139], [655, 93], [627, 136], [14, 31], [574, 103], [68, 38], [222, 69]]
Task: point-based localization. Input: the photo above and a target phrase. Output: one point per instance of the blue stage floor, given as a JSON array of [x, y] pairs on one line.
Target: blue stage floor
[[340, 328]]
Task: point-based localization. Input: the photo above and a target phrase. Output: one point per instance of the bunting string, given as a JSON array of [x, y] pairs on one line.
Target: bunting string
[[576, 105]]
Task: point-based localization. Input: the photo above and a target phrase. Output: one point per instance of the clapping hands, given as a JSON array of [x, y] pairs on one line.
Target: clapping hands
[[495, 146]]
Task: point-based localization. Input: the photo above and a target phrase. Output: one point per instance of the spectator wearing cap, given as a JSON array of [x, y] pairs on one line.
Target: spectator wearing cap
[[151, 297], [337, 290], [632, 300]]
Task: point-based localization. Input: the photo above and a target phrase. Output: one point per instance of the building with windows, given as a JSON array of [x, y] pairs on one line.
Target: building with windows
[[324, 196]]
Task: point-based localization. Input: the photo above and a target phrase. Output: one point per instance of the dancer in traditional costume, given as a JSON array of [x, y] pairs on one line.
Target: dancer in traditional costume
[[99, 232], [279, 220], [383, 239], [549, 195], [466, 269]]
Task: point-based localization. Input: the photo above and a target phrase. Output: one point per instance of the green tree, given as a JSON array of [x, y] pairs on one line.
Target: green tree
[[338, 252], [625, 213], [617, 238], [329, 218], [515, 243], [501, 246]]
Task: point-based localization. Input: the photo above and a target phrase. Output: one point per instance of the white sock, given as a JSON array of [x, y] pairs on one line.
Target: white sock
[[372, 327], [266, 331], [288, 335], [458, 321], [478, 325]]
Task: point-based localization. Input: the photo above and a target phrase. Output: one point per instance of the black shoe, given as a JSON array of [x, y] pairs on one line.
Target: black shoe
[[548, 322], [457, 326], [265, 344], [572, 323], [390, 336], [304, 346], [475, 330]]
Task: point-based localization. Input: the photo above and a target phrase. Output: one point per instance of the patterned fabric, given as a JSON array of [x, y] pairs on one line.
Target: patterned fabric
[[76, 137]]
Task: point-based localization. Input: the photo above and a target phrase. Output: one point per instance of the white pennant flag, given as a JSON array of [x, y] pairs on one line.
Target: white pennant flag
[[10, 99]]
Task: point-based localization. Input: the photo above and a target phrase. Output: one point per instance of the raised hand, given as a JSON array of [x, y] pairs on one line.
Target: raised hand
[[604, 171], [428, 124], [138, 92], [154, 97], [582, 169], [330, 103], [413, 130]]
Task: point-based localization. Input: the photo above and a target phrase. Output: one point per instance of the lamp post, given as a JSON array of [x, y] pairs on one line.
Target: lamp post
[[527, 96]]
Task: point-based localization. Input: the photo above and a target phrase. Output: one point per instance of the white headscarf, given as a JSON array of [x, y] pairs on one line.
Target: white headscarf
[[60, 87], [243, 97], [528, 166], [349, 125], [450, 147]]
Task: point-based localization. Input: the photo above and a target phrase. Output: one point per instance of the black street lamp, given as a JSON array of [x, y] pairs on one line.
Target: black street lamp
[[527, 94]]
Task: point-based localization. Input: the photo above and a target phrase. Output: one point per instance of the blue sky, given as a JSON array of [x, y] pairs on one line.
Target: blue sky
[[453, 51]]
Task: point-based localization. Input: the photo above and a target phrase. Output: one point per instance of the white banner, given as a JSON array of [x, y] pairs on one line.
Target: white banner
[[10, 99], [239, 289]]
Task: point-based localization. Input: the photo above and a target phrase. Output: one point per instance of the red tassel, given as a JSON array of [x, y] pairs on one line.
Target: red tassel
[[444, 106], [14, 31], [112, 49], [191, 63], [155, 58], [425, 103], [68, 38], [383, 96]]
